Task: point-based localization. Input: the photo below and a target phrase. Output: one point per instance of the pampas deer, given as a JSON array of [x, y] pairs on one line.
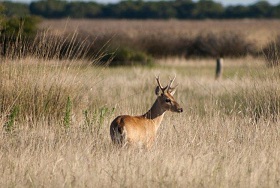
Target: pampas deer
[[141, 130]]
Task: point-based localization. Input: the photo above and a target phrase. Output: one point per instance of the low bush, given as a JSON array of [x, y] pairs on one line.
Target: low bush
[[25, 26], [227, 44], [127, 56], [272, 53], [16, 34], [163, 45]]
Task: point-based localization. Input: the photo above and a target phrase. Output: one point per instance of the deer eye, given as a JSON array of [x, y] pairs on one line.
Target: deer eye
[[167, 100]]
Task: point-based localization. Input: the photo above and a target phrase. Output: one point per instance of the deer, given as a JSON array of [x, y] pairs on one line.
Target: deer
[[142, 130]]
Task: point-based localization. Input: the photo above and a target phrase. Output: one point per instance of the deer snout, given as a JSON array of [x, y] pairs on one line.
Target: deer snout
[[180, 110]]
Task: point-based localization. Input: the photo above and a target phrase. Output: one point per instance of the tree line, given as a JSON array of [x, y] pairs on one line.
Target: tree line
[[139, 9]]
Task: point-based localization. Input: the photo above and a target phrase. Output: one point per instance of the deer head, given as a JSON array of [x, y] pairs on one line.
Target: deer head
[[165, 96]]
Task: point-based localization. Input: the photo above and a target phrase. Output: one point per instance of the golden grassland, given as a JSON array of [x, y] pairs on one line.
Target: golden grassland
[[227, 136], [55, 114]]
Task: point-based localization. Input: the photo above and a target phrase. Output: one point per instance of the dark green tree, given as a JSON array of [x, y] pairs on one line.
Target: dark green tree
[[82, 10], [16, 9], [207, 9], [49, 8], [238, 11], [261, 9], [184, 8], [276, 11], [26, 26], [140, 9], [1, 14], [13, 24], [93, 10]]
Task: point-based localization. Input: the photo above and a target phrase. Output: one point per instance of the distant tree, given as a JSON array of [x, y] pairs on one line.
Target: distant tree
[[1, 16], [2, 8], [129, 9], [184, 8], [82, 10], [167, 10], [207, 9], [12, 24], [238, 11], [16, 9], [93, 10], [26, 26], [75, 10], [149, 10], [276, 11], [49, 8], [140, 9], [261, 9], [111, 11]]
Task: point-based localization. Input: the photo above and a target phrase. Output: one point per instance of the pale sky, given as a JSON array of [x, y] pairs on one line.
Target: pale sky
[[224, 2]]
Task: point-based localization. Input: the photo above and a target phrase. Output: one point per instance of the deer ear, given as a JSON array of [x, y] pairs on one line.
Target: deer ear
[[157, 90]]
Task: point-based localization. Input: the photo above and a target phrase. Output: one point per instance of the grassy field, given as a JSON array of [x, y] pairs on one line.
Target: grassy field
[[173, 38], [254, 28], [259, 31], [56, 112], [55, 118]]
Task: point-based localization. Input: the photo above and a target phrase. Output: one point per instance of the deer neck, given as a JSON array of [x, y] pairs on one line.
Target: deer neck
[[155, 114]]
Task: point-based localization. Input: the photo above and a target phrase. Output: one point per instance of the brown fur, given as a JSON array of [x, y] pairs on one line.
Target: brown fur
[[133, 129]]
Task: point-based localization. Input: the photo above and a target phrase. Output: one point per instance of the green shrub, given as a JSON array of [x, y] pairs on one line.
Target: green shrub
[[127, 56], [16, 35], [26, 26]]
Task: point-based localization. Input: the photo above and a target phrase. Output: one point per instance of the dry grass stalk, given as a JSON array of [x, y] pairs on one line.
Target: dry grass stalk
[[214, 143]]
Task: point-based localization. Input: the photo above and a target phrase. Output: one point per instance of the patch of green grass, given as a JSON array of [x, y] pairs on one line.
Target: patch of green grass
[[125, 56], [9, 125], [67, 115]]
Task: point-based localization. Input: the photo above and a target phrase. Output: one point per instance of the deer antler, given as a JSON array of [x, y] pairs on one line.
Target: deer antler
[[160, 86], [170, 84]]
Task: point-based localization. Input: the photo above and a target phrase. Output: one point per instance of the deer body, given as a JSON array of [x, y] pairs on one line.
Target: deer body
[[141, 130]]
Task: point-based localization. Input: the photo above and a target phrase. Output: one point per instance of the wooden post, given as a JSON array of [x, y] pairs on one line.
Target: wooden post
[[4, 46], [219, 68]]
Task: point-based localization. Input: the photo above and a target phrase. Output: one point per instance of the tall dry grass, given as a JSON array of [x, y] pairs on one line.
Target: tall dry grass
[[271, 53], [172, 36], [216, 142], [55, 117]]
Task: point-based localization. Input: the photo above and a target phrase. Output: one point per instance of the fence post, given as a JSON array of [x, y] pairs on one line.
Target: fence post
[[219, 68]]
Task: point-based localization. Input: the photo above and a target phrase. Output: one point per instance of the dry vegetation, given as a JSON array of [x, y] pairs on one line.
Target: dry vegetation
[[258, 31], [55, 117], [228, 135], [261, 30]]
